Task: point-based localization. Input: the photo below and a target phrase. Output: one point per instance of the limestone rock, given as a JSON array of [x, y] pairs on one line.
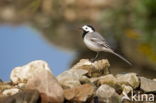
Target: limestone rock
[[23, 73], [128, 79], [4, 85], [84, 80], [26, 96], [105, 91], [94, 80], [21, 85], [126, 89], [94, 69], [47, 85], [79, 94], [11, 91], [107, 94], [147, 85], [71, 78], [107, 79]]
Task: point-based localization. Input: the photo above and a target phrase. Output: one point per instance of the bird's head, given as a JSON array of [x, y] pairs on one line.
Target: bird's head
[[88, 28]]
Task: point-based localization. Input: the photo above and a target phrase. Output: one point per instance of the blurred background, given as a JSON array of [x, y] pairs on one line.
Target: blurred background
[[48, 30]]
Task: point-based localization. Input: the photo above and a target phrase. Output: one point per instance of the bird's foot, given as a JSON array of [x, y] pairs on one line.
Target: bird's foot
[[92, 60]]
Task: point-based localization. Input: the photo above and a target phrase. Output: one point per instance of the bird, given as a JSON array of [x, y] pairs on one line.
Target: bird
[[97, 43]]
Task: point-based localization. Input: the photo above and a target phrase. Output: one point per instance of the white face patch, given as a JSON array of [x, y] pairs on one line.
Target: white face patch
[[87, 28]]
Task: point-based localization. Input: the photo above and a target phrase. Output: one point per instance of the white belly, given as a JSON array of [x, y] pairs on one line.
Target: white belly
[[91, 45]]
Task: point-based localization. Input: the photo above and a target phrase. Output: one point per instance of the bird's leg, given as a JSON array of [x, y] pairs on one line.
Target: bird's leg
[[93, 59], [97, 54]]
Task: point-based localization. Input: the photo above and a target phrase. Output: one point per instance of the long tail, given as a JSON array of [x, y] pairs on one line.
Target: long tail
[[121, 58]]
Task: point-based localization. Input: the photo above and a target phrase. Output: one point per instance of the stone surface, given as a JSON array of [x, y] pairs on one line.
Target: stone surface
[[47, 85], [105, 91], [147, 85], [84, 80], [107, 79], [107, 94], [23, 73], [11, 91], [128, 79], [79, 94], [71, 78], [4, 86], [126, 89], [94, 80], [94, 69], [21, 85], [26, 96]]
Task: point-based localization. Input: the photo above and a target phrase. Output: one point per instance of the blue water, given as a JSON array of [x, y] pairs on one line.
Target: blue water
[[21, 45]]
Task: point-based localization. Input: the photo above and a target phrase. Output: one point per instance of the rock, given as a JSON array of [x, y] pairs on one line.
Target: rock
[[26, 96], [23, 73], [84, 80], [11, 91], [4, 86], [21, 85], [126, 89], [80, 93], [105, 91], [128, 79], [95, 69], [94, 80], [1, 80], [71, 78], [107, 79], [111, 81], [154, 79], [147, 85], [47, 85], [107, 94]]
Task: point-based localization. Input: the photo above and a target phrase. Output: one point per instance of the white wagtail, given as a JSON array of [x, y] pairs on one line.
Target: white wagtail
[[95, 42]]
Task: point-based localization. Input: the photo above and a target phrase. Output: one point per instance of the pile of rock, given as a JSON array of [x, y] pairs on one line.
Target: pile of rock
[[32, 83], [85, 82]]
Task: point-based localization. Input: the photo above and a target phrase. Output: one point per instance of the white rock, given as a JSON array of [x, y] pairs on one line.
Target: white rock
[[105, 91], [147, 85], [126, 89], [94, 80], [107, 79], [128, 79], [11, 91], [47, 85], [107, 94], [21, 85], [84, 80], [95, 69], [23, 73], [71, 78]]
